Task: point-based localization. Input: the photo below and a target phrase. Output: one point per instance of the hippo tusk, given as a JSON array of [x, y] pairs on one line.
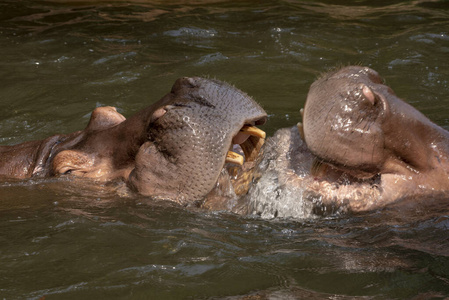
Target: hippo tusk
[[301, 130], [254, 131], [235, 158]]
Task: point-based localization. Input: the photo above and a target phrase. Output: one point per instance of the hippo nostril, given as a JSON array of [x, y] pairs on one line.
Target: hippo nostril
[[190, 82], [184, 82]]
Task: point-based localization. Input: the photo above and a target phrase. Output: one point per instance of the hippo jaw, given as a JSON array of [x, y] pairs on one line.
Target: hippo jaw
[[189, 138], [371, 148]]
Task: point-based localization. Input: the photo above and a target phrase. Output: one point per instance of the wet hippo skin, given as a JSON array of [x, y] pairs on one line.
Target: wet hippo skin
[[174, 149], [359, 148]]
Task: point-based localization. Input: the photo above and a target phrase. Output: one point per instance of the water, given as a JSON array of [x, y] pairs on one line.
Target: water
[[59, 60]]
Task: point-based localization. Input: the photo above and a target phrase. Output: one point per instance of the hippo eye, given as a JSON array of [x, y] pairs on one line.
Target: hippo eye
[[69, 171], [180, 105]]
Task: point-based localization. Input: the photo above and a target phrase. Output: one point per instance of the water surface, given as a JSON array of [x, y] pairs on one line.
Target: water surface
[[61, 59]]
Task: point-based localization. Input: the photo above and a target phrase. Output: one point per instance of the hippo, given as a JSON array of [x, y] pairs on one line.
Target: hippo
[[175, 149], [359, 148]]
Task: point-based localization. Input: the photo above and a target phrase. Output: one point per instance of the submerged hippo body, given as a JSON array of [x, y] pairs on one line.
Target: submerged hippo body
[[360, 148], [174, 149]]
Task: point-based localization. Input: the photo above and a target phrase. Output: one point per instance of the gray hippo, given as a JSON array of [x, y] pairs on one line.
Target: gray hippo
[[359, 148], [174, 149]]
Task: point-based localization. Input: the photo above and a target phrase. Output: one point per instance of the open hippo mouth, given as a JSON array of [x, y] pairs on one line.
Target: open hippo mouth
[[250, 139], [237, 173], [241, 161]]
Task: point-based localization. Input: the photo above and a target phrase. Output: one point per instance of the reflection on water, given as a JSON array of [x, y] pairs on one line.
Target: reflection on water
[[61, 59]]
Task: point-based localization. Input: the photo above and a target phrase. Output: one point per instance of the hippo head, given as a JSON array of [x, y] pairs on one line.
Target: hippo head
[[189, 136], [359, 130], [175, 149], [344, 120]]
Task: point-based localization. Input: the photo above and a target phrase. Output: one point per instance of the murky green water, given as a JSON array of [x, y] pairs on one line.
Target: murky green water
[[59, 60]]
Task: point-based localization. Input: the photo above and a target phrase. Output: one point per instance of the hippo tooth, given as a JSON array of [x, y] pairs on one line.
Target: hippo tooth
[[301, 111], [318, 168], [301, 130], [254, 131], [235, 158]]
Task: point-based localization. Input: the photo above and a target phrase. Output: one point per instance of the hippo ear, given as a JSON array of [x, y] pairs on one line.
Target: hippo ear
[[158, 113], [372, 98], [71, 161], [104, 117]]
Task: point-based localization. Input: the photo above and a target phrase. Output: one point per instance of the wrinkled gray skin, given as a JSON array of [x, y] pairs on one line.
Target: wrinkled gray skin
[[361, 148], [187, 147], [174, 149]]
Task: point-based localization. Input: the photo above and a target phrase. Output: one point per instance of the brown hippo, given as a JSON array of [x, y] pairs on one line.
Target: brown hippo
[[174, 149], [359, 148]]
